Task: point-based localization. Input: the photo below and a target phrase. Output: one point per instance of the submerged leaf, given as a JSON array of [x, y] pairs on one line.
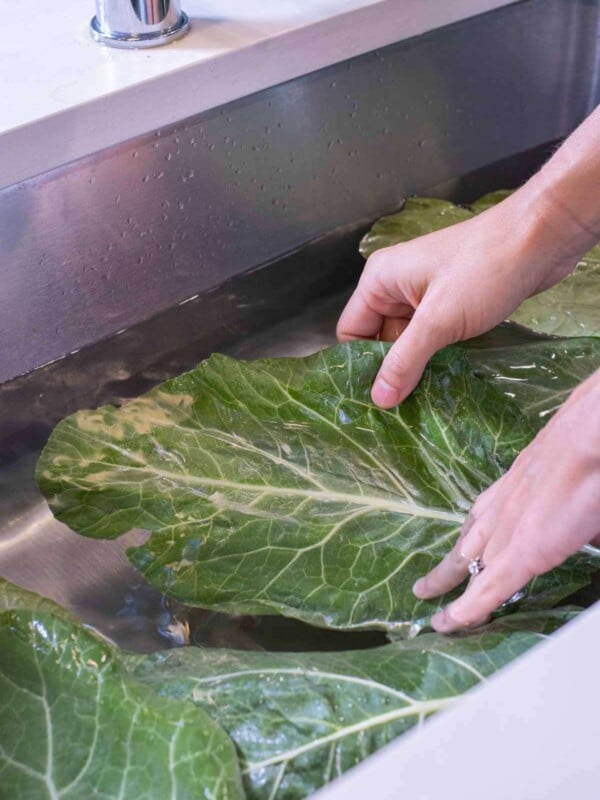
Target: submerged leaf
[[571, 308], [277, 486], [419, 215], [489, 200], [74, 724], [539, 376], [300, 720]]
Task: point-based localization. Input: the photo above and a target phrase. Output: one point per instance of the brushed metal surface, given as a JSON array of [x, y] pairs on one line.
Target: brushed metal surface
[[111, 240]]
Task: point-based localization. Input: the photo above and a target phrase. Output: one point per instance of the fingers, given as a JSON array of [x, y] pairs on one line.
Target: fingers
[[377, 296], [382, 305], [484, 594], [359, 319], [454, 567], [404, 364]]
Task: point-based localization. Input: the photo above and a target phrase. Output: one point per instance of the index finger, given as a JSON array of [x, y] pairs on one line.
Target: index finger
[[358, 320]]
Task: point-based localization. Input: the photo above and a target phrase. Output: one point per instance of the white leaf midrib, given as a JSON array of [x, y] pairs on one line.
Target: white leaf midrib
[[325, 496]]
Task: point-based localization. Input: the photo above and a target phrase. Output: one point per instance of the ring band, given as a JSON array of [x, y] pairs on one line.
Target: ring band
[[475, 566]]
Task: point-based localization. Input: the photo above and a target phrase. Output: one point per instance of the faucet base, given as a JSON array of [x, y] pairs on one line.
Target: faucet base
[[128, 41]]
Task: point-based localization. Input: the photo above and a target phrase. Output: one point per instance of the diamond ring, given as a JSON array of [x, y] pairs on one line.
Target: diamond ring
[[475, 566]]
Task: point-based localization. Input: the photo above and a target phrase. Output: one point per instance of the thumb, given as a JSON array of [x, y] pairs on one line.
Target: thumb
[[403, 366]]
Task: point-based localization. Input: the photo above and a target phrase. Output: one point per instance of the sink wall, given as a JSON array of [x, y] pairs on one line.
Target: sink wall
[[113, 239]]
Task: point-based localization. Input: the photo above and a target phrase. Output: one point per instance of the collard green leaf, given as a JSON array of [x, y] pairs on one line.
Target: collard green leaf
[[419, 215], [277, 487], [15, 597], [571, 308], [74, 724], [539, 376], [300, 720], [489, 200]]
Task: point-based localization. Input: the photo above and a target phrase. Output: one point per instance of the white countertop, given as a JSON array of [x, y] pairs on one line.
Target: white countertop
[[65, 96]]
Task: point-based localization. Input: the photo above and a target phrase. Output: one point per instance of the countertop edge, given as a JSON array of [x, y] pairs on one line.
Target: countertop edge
[[125, 114]]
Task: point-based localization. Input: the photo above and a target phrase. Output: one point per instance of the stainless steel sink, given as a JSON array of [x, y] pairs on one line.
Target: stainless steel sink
[[237, 231]]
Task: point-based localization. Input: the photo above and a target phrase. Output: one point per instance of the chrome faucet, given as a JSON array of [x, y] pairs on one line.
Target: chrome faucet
[[138, 23]]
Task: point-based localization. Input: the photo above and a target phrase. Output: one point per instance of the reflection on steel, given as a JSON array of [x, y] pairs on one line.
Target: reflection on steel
[[138, 23], [108, 241]]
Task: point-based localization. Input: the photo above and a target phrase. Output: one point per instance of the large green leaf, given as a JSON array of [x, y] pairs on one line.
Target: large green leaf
[[571, 308], [539, 376], [300, 720], [419, 215], [74, 724], [276, 485]]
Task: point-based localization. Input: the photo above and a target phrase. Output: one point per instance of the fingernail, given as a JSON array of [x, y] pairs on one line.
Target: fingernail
[[419, 587], [384, 395]]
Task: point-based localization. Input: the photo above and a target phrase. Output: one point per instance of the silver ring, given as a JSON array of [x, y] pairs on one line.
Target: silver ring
[[475, 566]]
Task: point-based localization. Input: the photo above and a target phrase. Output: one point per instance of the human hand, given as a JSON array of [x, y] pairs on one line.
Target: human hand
[[450, 285], [541, 511]]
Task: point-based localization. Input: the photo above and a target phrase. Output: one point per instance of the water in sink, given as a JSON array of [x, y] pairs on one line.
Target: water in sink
[[283, 309]]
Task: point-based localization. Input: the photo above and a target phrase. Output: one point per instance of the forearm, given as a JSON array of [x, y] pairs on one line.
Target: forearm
[[560, 205]]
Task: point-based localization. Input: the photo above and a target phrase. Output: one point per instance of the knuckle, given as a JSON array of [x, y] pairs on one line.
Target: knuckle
[[376, 262], [541, 558], [538, 552]]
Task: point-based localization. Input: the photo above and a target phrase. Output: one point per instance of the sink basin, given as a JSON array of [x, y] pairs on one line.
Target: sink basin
[[237, 231], [288, 307]]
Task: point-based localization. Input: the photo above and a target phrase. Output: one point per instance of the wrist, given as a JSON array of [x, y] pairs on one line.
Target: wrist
[[563, 196], [550, 238], [540, 254]]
